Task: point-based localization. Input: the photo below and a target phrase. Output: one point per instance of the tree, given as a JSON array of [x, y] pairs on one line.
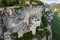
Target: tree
[[0, 3], [4, 3]]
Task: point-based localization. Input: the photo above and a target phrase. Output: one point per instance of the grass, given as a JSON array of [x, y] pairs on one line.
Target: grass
[[56, 6], [56, 27], [58, 13]]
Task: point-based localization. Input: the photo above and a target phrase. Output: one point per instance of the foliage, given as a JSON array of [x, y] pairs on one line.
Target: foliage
[[27, 36], [21, 38], [56, 27], [1, 39], [21, 3], [56, 6], [44, 21], [42, 33], [14, 36]]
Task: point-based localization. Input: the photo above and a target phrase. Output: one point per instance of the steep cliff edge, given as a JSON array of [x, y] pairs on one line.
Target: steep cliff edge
[[29, 22]]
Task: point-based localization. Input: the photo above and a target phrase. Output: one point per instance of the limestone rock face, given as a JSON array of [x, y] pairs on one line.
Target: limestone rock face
[[28, 16], [27, 19], [7, 35], [32, 16], [24, 20]]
